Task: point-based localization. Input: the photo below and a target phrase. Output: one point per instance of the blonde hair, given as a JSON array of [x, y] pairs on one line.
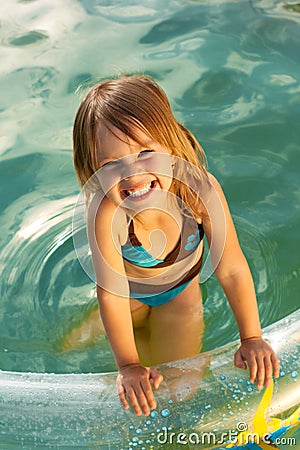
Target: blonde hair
[[135, 103]]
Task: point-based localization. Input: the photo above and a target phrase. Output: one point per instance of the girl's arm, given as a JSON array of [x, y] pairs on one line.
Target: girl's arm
[[133, 381], [233, 273]]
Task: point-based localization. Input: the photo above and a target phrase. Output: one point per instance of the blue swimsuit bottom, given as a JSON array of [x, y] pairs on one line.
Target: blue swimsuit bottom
[[162, 297]]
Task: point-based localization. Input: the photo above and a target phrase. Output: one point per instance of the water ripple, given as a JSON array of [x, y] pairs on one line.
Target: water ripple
[[45, 293], [32, 37], [130, 12]]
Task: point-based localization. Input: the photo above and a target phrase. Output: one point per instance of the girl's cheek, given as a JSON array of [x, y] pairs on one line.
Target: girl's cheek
[[108, 180]]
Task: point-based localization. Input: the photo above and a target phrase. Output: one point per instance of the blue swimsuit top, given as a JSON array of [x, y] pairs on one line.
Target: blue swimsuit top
[[134, 252]]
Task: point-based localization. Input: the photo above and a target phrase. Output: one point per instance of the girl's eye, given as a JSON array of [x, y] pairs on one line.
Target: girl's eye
[[144, 153], [110, 164], [114, 163]]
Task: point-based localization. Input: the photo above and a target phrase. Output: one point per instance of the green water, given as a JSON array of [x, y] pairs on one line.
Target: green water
[[231, 71]]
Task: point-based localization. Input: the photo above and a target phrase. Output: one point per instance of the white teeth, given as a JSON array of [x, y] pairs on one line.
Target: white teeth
[[140, 192]]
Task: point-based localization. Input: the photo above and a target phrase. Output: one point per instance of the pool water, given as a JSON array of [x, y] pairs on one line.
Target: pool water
[[231, 71]]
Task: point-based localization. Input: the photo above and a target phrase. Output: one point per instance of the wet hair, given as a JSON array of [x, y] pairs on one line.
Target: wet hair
[[134, 103]]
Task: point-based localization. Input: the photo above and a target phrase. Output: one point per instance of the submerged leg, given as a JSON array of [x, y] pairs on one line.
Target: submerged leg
[[91, 328], [176, 328], [176, 332], [85, 334]]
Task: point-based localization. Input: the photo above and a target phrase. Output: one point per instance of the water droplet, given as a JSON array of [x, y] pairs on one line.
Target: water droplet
[[138, 431], [165, 412], [170, 402], [294, 374], [223, 377], [154, 414]]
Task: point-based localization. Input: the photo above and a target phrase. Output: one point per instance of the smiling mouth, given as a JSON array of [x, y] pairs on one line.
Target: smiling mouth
[[139, 193]]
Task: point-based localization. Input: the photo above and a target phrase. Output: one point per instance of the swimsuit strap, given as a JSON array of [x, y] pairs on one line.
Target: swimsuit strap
[[132, 237]]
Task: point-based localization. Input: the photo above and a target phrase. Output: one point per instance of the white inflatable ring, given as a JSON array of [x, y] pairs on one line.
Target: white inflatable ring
[[203, 394]]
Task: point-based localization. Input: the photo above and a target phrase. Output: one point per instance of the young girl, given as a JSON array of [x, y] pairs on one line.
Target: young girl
[[150, 202]]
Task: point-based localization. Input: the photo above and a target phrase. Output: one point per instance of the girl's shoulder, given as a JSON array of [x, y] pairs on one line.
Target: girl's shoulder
[[202, 197], [212, 180], [108, 218]]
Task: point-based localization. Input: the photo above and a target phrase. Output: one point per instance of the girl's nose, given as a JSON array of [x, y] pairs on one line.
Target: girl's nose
[[131, 166]]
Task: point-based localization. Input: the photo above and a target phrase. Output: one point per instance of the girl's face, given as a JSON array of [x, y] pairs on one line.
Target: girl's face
[[133, 175]]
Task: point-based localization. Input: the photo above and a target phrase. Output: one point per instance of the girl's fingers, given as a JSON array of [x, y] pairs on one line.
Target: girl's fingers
[[276, 365], [156, 377], [260, 374], [262, 362], [121, 394], [268, 370], [252, 368], [131, 395], [265, 367], [239, 361], [146, 386], [142, 400]]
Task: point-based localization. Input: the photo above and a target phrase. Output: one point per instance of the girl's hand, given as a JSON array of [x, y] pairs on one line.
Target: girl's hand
[[133, 384], [261, 360]]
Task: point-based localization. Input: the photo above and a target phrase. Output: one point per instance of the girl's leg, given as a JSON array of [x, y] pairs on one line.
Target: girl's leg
[[85, 334], [176, 328], [92, 327]]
